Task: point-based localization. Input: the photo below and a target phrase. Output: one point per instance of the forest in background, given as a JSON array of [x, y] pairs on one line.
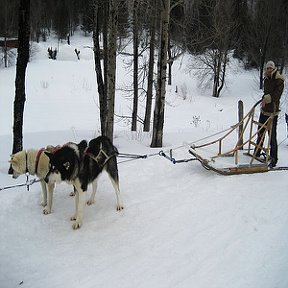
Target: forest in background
[[253, 29]]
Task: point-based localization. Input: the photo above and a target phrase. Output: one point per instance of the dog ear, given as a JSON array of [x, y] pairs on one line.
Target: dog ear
[[82, 145], [50, 148], [66, 165], [48, 154]]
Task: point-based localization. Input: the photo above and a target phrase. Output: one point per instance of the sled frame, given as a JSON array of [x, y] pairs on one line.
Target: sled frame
[[256, 164]]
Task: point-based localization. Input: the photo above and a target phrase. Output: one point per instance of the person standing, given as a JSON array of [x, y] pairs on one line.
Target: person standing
[[286, 120], [285, 104], [273, 89]]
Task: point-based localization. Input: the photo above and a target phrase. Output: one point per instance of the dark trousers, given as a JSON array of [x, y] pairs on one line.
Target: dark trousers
[[286, 120], [273, 141]]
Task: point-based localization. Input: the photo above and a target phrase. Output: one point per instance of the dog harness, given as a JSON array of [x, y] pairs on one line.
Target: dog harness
[[101, 154], [37, 159]]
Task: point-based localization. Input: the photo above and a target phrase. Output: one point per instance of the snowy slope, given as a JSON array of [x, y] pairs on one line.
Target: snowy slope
[[182, 226]]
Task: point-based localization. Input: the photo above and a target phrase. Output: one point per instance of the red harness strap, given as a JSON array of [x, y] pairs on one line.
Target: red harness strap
[[58, 147], [40, 152], [37, 159]]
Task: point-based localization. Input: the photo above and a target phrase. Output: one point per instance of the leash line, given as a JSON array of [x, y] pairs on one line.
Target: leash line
[[28, 184], [134, 156], [172, 159]]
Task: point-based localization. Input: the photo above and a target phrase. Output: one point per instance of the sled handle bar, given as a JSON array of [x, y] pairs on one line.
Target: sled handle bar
[[257, 103]]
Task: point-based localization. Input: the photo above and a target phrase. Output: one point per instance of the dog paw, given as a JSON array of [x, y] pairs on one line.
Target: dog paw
[[119, 208], [76, 225], [73, 218], [72, 194], [90, 202], [46, 211]]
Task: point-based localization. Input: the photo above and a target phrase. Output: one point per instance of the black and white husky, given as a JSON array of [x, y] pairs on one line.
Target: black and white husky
[[80, 165]]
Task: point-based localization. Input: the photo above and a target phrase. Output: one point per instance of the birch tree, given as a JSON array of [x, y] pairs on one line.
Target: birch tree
[[111, 66], [150, 80], [135, 64]]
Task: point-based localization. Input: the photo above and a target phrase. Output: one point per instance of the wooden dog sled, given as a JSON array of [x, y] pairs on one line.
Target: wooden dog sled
[[241, 158]]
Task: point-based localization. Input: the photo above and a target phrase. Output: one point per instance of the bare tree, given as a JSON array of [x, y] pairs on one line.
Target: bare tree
[[150, 80], [263, 22], [175, 40], [98, 67], [22, 61], [111, 67], [215, 42], [158, 121], [106, 79], [174, 52], [266, 37], [284, 33], [135, 64], [8, 24]]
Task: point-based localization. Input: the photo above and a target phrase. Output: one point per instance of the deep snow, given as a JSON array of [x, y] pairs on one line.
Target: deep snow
[[182, 226]]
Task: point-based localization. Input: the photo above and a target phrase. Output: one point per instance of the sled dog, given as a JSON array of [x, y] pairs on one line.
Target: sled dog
[[81, 165], [35, 162]]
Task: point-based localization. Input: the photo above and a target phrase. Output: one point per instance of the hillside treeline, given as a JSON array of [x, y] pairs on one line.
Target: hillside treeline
[[254, 29]]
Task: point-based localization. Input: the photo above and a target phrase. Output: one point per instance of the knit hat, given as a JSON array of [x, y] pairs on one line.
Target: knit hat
[[270, 64]]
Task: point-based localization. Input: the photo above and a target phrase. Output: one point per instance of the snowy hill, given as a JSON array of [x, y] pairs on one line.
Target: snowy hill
[[182, 226]]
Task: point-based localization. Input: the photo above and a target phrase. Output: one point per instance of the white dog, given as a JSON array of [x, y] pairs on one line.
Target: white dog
[[35, 162]]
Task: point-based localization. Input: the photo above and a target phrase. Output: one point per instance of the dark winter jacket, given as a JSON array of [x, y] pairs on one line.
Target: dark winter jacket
[[273, 88]]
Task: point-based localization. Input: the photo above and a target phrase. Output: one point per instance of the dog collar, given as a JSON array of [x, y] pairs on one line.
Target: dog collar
[[27, 171]]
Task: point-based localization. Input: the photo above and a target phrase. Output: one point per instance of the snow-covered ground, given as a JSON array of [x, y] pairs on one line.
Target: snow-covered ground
[[182, 226]]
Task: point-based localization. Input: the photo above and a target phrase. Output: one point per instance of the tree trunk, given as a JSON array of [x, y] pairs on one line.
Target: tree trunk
[[135, 64], [22, 60], [105, 48], [217, 73], [263, 56], [112, 44], [98, 69], [158, 122], [149, 95], [5, 51], [170, 72], [223, 73], [170, 61], [262, 62]]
